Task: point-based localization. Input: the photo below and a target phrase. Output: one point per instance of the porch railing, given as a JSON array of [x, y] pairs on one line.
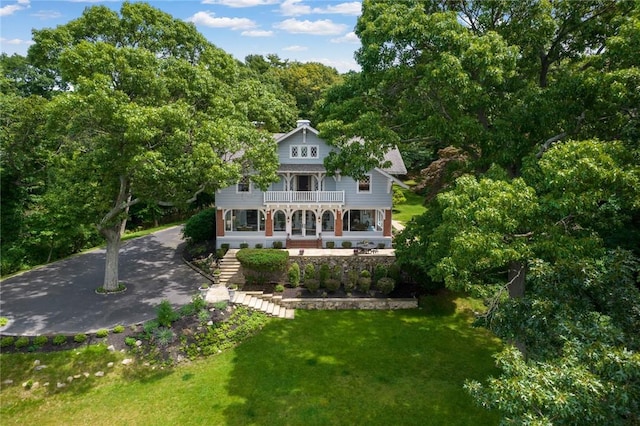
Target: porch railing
[[304, 197]]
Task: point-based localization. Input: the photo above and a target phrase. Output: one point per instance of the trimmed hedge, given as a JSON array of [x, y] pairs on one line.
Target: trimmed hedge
[[263, 260]]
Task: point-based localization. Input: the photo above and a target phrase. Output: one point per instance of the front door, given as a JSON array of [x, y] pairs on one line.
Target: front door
[[303, 223], [304, 183]]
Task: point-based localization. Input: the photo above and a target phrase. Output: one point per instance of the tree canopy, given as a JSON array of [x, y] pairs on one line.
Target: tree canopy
[[144, 110], [533, 204]]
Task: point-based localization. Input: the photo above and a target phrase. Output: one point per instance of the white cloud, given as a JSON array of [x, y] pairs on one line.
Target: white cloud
[[351, 8], [320, 27], [47, 14], [295, 48], [293, 8], [347, 38], [10, 9], [208, 19], [16, 41], [341, 65], [241, 3], [257, 33]]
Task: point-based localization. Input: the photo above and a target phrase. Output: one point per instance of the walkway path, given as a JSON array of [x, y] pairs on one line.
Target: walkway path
[[60, 297]]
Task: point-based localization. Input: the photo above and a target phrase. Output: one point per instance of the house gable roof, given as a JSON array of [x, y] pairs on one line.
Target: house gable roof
[[393, 156]]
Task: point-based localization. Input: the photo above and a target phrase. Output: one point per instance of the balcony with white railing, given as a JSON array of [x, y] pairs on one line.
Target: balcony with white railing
[[304, 197]]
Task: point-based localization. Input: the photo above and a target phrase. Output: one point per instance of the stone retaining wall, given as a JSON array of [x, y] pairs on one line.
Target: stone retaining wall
[[346, 263], [350, 303]]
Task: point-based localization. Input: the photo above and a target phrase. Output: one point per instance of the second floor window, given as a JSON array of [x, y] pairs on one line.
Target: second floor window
[[304, 151], [364, 184], [244, 185]]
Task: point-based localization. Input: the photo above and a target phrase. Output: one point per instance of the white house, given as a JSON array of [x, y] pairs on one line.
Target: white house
[[306, 207]]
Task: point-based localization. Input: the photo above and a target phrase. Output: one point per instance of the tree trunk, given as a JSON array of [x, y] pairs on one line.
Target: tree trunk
[[516, 277], [112, 235], [516, 285]]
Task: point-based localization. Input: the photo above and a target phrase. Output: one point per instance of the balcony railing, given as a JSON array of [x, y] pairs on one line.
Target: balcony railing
[[294, 197]]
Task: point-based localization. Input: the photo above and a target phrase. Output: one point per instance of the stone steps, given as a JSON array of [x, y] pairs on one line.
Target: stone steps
[[229, 266], [267, 303]]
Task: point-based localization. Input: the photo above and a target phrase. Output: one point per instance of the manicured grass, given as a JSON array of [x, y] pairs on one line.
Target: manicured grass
[[414, 206], [324, 367]]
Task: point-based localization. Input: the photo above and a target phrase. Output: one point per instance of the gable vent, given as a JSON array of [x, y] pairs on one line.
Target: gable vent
[[301, 123]]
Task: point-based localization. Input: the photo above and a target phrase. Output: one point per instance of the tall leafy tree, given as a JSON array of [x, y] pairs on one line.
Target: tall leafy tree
[[499, 80], [539, 102], [149, 116]]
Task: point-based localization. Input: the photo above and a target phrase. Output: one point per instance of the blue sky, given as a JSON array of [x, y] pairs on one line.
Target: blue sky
[[301, 30]]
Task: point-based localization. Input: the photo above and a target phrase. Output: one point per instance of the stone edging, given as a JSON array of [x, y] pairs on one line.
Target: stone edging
[[349, 303]]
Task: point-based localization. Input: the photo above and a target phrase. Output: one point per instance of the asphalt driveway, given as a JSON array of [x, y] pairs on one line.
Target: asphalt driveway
[[61, 298]]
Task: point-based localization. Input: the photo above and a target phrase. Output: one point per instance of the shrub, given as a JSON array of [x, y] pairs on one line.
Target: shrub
[[244, 245], [221, 305], [364, 282], [351, 281], [80, 338], [187, 310], [380, 271], [130, 341], [198, 303], [324, 274], [118, 329], [166, 314], [312, 284], [346, 244], [332, 285], [309, 271], [201, 226], [102, 333], [225, 247], [386, 285], [164, 336], [395, 272], [279, 288], [331, 244], [268, 260], [4, 321], [203, 316], [277, 245], [40, 340], [337, 273], [381, 245], [60, 340], [7, 341], [149, 327], [21, 342], [398, 196], [258, 246], [220, 253], [294, 274]]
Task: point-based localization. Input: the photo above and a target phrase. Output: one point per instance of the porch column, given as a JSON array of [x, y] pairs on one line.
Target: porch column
[[219, 223], [386, 226], [268, 229], [338, 223]]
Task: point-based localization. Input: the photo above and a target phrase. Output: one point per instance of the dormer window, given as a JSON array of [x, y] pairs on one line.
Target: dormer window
[[244, 186], [304, 151], [364, 185]]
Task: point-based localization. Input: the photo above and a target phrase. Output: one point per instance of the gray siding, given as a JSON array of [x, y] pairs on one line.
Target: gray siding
[[378, 198], [228, 198], [297, 139]]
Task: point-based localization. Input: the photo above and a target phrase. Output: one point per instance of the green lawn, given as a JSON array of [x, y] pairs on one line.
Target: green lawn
[[414, 206], [323, 368]]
